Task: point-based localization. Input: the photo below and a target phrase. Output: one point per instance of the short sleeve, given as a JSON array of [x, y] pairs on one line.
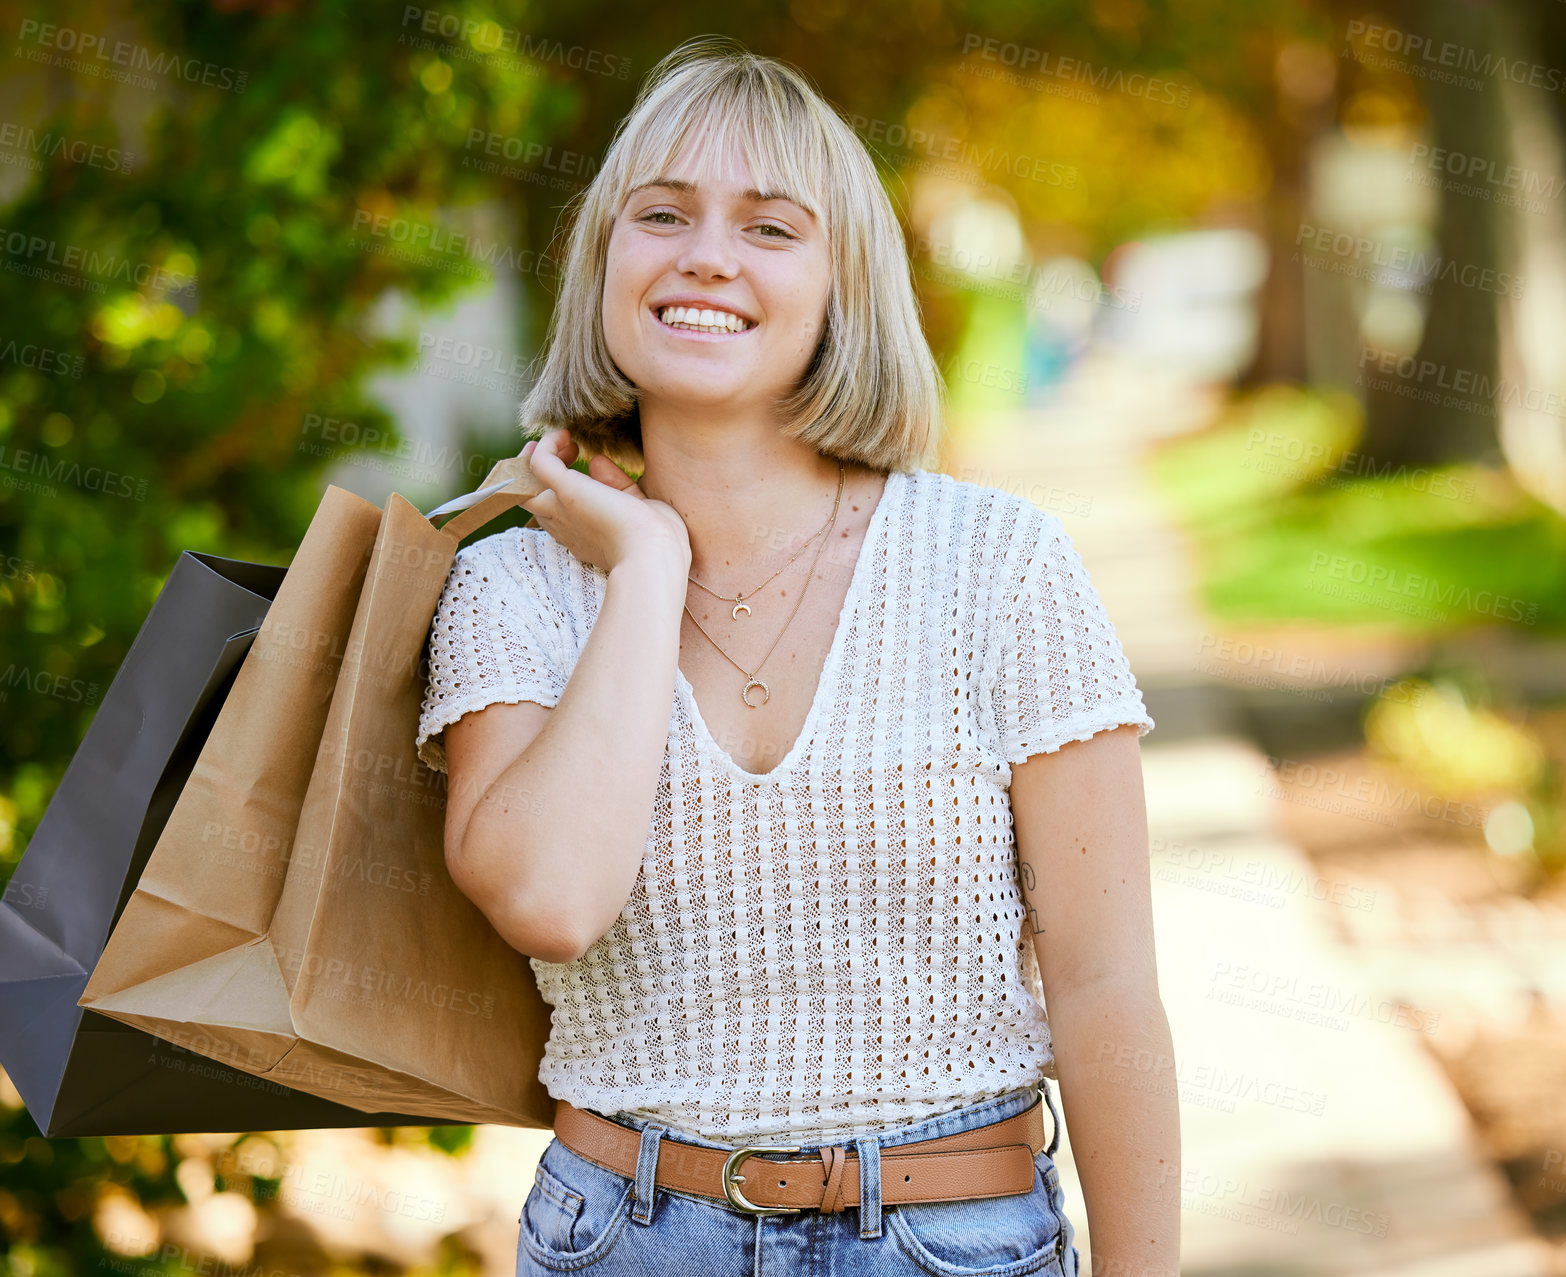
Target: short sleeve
[[1060, 674], [495, 638]]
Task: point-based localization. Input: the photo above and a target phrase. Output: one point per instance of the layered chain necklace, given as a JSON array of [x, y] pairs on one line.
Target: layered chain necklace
[[738, 600]]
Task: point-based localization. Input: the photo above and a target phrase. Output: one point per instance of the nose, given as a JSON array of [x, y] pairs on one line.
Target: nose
[[706, 251]]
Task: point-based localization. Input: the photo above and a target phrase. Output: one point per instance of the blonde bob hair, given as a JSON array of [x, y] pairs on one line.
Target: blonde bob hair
[[871, 393]]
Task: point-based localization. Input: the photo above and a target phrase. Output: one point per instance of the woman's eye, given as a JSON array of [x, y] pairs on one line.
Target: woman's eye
[[778, 232]]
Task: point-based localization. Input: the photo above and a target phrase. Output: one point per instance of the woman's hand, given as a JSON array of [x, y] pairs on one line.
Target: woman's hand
[[602, 516]]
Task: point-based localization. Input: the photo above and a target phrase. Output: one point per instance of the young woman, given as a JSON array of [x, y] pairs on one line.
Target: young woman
[[754, 756]]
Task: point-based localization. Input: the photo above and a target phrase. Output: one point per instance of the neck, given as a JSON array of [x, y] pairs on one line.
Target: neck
[[749, 497]]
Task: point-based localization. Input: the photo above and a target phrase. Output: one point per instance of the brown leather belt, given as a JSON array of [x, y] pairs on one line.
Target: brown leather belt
[[988, 1161]]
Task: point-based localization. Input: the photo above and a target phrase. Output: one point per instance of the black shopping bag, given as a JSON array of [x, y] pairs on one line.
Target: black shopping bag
[[79, 1072]]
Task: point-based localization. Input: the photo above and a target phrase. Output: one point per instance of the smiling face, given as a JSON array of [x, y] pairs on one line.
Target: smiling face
[[757, 262]]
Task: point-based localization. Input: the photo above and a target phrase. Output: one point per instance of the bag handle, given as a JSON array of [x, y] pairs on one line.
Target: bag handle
[[508, 484]]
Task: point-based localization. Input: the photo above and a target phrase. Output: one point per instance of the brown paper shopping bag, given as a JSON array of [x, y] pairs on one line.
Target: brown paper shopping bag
[[371, 980], [78, 1072]]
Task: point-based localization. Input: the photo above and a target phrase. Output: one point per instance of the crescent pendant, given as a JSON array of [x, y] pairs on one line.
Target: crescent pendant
[[738, 608], [766, 693]]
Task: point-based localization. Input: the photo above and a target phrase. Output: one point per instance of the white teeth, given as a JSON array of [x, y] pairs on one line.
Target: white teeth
[[720, 321]]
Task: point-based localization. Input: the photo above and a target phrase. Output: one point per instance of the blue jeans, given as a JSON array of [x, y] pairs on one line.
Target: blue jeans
[[582, 1217]]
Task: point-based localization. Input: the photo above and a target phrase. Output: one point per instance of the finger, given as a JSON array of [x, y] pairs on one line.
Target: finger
[[538, 499], [562, 445], [549, 470], [561, 483], [542, 509], [607, 472], [538, 461]]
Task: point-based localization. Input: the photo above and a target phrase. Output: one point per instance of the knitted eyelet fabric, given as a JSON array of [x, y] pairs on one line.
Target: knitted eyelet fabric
[[837, 946]]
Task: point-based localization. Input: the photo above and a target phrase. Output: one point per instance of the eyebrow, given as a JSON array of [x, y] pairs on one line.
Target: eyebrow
[[750, 193]]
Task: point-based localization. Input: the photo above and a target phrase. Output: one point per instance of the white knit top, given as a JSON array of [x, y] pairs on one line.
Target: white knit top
[[838, 945]]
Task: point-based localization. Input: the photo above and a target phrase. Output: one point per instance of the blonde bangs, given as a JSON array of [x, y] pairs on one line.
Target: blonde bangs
[[727, 118]]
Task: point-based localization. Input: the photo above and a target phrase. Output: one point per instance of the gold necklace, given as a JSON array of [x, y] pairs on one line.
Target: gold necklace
[[739, 599], [750, 675]]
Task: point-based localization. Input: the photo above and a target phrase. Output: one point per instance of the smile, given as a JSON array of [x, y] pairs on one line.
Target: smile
[[691, 319]]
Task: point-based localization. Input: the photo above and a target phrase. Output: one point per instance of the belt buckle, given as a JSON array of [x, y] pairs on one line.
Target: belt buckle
[[731, 1188]]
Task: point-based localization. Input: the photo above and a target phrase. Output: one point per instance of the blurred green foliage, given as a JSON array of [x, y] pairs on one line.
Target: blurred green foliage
[[48, 1189], [1292, 523]]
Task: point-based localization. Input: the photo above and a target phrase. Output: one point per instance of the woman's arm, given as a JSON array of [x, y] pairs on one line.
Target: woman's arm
[[1082, 844], [547, 809]]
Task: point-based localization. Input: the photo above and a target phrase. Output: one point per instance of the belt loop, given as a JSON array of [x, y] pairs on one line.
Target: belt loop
[[869, 1149], [1054, 1139], [646, 1172]]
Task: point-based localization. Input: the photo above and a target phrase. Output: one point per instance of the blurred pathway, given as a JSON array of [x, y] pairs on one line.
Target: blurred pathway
[[1319, 1135], [1079, 457]]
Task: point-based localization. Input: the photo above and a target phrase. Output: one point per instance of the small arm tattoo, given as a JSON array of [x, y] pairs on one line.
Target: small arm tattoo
[[1028, 884]]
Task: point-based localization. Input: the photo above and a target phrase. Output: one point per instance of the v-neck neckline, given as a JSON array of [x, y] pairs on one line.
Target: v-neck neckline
[[852, 603]]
